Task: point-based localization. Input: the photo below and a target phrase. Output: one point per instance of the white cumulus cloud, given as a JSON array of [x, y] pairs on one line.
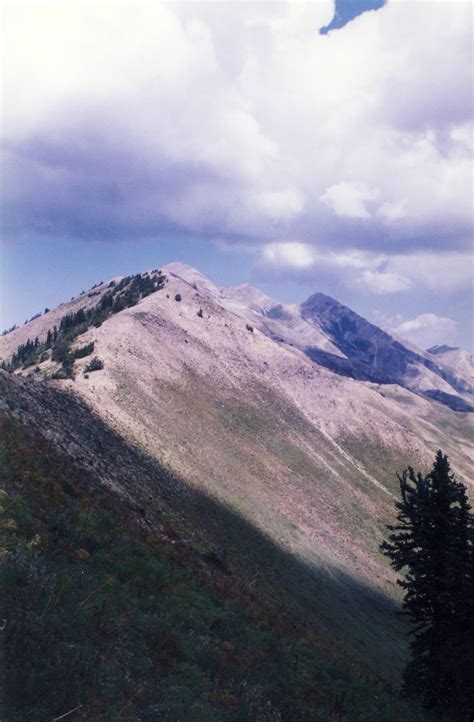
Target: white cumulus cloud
[[280, 204], [288, 255], [350, 199], [428, 329], [381, 282], [448, 271], [392, 211]]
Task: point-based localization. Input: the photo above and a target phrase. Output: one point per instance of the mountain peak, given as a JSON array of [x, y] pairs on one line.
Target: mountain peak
[[457, 358], [321, 302], [249, 295], [178, 268], [190, 275], [444, 348]]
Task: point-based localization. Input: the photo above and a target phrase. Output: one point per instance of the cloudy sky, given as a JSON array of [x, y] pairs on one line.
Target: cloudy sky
[[238, 137]]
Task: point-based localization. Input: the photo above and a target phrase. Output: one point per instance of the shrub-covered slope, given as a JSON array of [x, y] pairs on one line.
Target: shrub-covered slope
[[129, 596]]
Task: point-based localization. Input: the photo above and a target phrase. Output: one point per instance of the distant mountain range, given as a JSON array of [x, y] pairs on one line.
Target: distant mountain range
[[459, 359], [294, 418], [337, 338]]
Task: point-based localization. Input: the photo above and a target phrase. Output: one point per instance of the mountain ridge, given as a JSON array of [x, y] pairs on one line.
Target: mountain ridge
[[457, 358], [226, 397], [415, 370], [328, 332]]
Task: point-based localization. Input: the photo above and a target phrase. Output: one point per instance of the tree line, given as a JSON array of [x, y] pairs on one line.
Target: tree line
[[122, 294]]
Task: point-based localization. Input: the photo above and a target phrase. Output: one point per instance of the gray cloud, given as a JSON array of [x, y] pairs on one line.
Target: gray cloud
[[163, 122]]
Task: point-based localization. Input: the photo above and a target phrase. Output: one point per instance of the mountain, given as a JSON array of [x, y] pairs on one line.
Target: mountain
[[331, 334], [267, 434], [377, 356], [335, 337], [459, 359]]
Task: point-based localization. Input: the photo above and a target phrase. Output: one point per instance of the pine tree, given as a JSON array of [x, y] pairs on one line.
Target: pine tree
[[434, 542]]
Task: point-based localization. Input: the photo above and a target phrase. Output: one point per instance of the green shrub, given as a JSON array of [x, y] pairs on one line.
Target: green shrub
[[96, 364], [84, 350], [62, 374]]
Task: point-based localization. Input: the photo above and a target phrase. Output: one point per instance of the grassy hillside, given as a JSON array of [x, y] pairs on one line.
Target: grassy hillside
[[130, 596]]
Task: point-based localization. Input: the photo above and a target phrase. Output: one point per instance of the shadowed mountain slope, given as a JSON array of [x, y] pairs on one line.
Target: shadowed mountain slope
[[174, 605], [376, 356]]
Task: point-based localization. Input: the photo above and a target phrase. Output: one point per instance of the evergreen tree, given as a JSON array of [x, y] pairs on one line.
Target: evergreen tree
[[434, 541]]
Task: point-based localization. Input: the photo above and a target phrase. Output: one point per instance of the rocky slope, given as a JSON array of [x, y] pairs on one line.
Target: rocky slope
[[375, 355], [224, 388], [335, 337], [459, 359]]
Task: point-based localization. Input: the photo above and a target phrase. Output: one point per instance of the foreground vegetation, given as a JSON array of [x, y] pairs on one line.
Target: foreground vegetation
[[115, 619]]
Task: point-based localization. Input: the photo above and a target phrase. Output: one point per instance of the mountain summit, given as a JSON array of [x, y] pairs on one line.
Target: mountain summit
[[459, 359]]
